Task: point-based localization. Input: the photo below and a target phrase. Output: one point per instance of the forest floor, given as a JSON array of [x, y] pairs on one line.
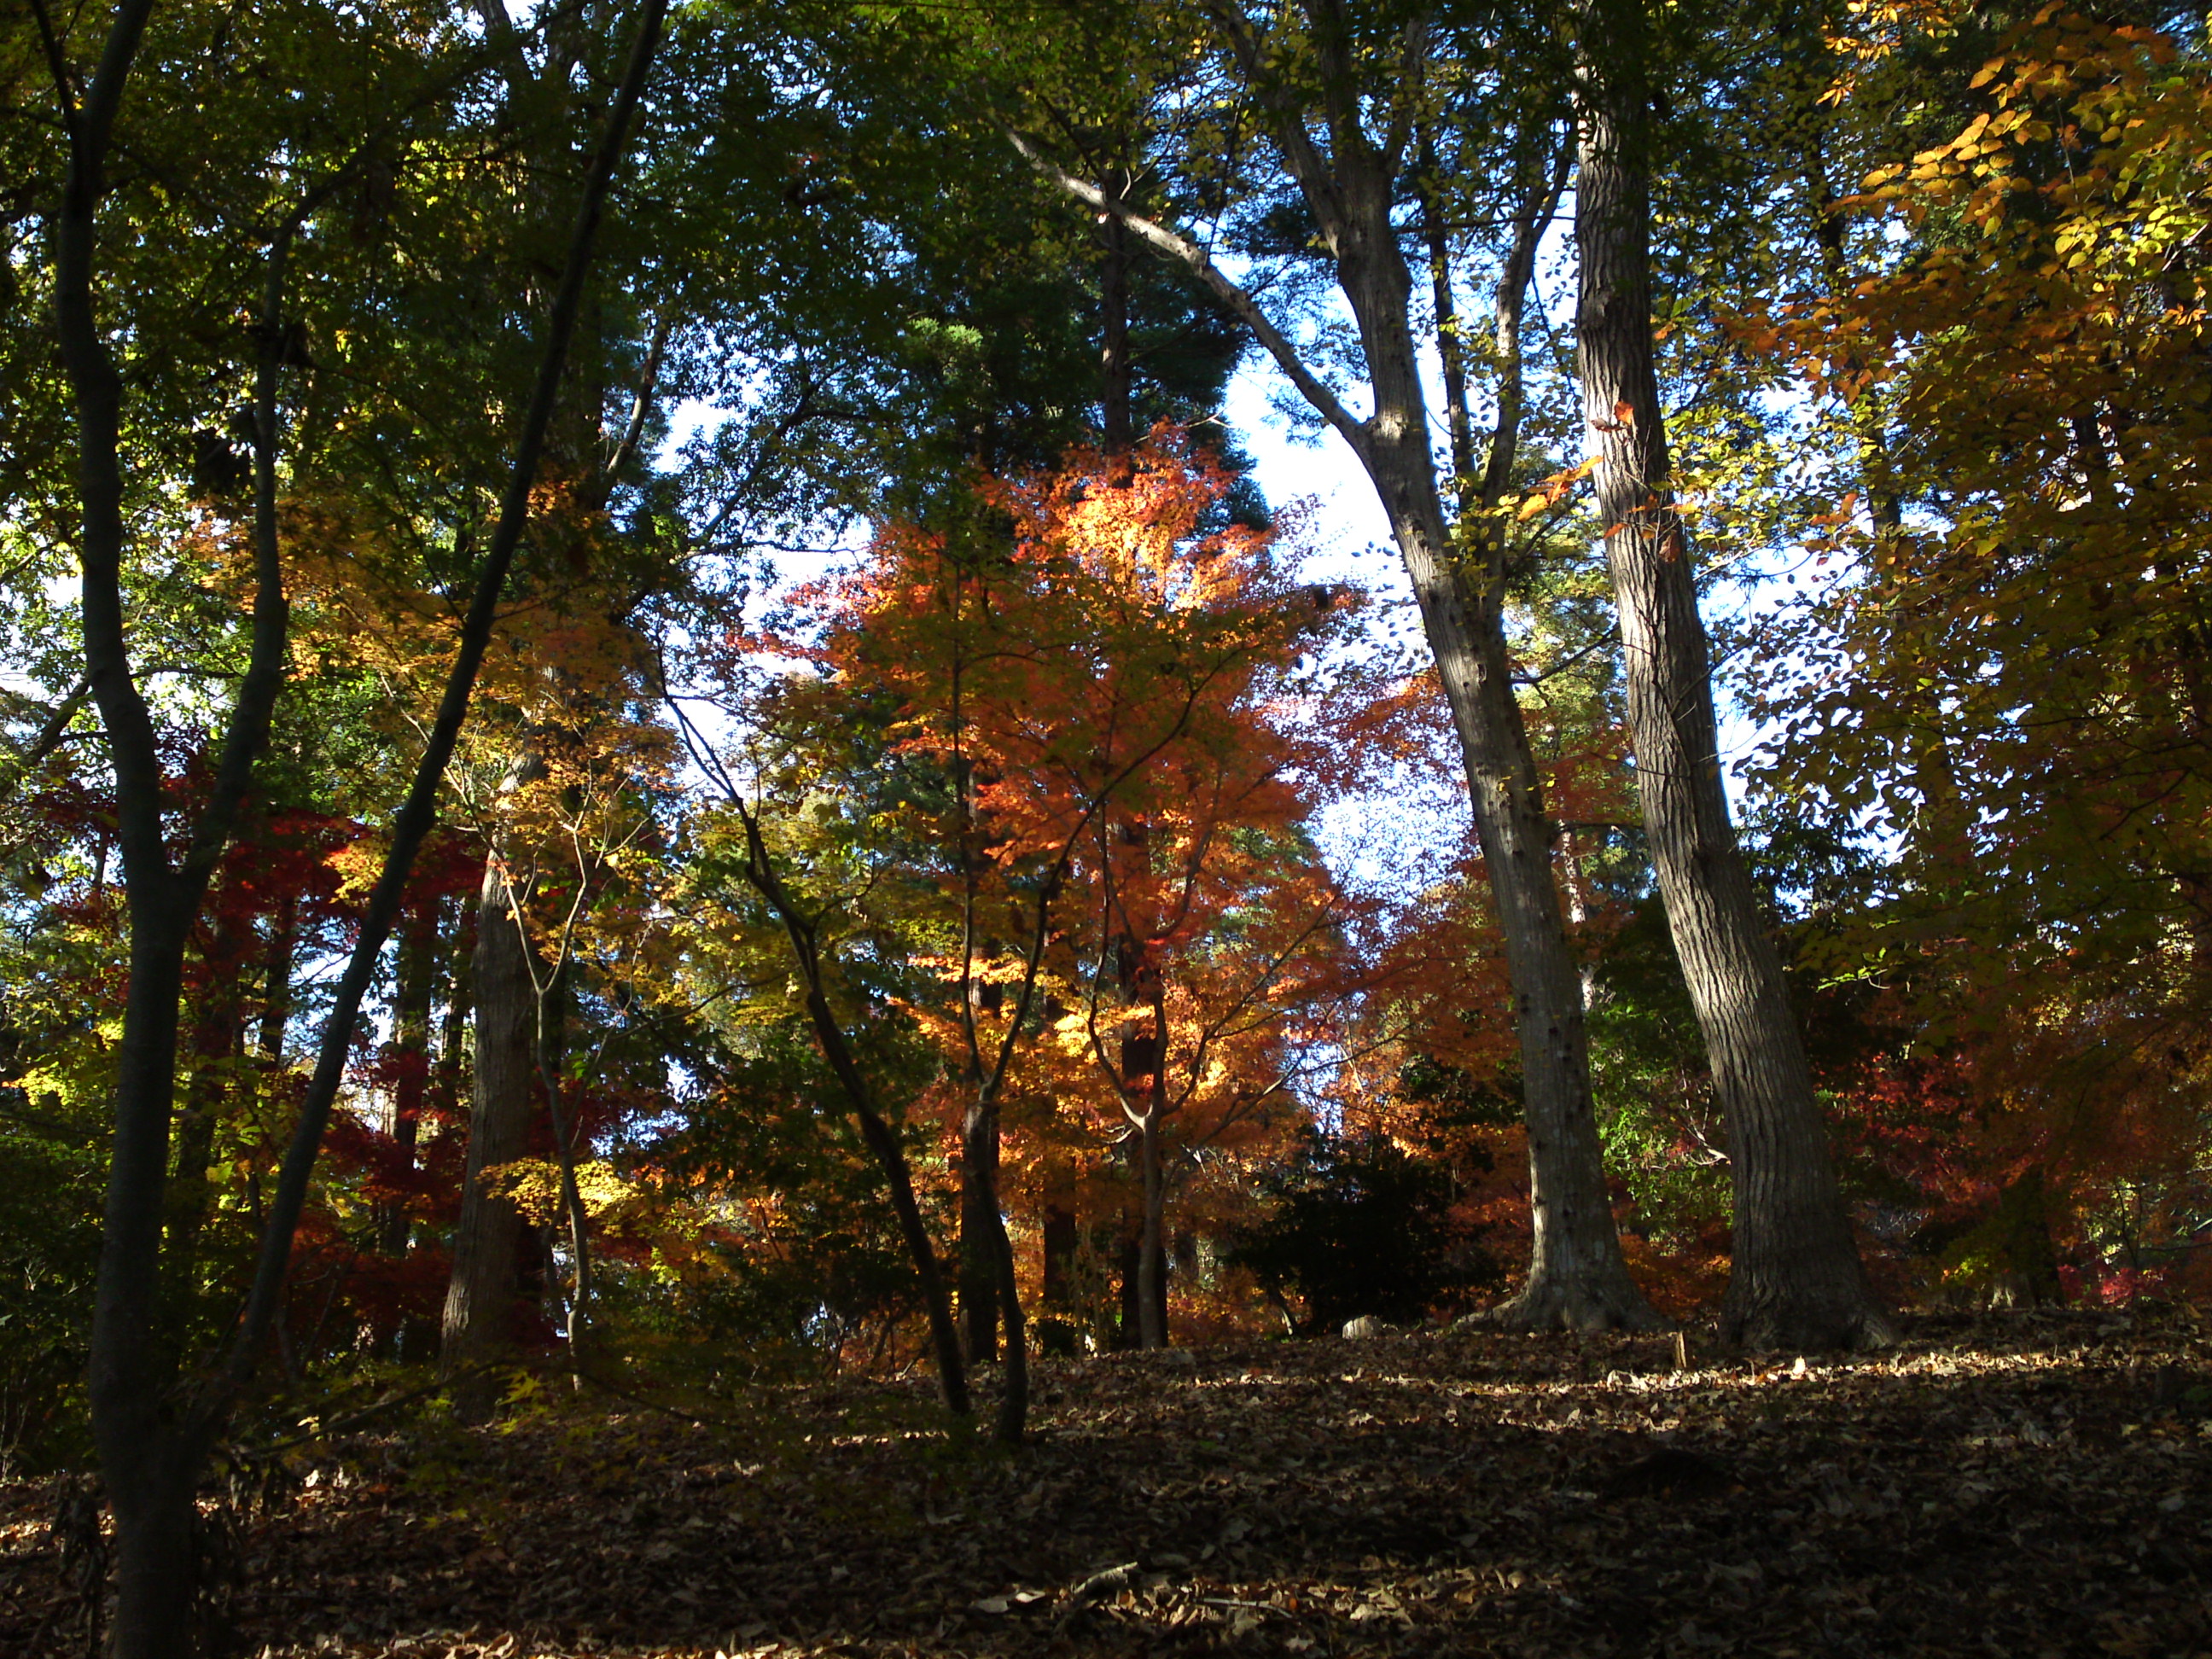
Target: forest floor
[[2010, 1485]]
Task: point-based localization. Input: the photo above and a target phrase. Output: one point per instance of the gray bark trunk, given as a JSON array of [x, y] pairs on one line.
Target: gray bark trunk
[[1796, 1281], [1577, 1278], [480, 1295]]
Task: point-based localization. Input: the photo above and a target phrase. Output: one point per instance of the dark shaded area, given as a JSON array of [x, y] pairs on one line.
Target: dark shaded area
[[1359, 1226], [2033, 1483]]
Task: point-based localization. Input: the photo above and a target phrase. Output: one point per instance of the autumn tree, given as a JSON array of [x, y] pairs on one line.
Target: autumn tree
[[152, 1448], [1999, 678], [1319, 108], [1796, 1277]]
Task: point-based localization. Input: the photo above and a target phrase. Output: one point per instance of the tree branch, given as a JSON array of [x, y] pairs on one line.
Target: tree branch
[[1200, 264], [412, 825]]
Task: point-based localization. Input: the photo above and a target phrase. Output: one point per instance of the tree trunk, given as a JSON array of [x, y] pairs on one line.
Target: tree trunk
[[1578, 1277], [459, 957], [410, 1045], [1152, 1263], [480, 1295], [157, 1554], [1014, 1398], [981, 1227], [1063, 1238], [2020, 1230], [1117, 425], [1151, 1249], [150, 1452], [1796, 1280], [276, 983], [1128, 1255], [216, 1035]]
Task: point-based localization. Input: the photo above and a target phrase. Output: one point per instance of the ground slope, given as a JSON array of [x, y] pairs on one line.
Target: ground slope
[[2017, 1486]]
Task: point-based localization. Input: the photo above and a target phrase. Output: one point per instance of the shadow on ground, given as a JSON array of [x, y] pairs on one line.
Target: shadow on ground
[[2020, 1485]]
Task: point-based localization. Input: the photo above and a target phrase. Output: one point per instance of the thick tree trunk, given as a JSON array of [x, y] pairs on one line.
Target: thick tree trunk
[[481, 1294], [1126, 1255], [981, 1227], [1577, 1278], [157, 1553], [1796, 1280], [2020, 1231], [147, 1461]]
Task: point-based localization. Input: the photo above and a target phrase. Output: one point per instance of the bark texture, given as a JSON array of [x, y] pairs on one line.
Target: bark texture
[[479, 1319], [1796, 1280], [1577, 1278]]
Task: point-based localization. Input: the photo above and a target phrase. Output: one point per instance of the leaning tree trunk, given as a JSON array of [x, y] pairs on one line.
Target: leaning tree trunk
[[1578, 1277], [1796, 1280], [480, 1295]]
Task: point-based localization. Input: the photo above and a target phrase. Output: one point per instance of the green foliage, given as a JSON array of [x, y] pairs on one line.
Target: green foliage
[[50, 1173]]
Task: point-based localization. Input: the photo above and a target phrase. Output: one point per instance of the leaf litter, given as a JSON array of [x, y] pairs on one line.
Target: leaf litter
[[2009, 1484]]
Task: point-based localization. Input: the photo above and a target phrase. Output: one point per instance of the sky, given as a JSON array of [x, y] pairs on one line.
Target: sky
[[1351, 537]]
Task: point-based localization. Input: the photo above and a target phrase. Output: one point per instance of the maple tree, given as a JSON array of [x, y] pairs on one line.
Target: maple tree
[[1071, 707]]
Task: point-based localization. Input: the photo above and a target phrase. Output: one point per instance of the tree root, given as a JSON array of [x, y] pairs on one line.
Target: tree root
[[1557, 1305]]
